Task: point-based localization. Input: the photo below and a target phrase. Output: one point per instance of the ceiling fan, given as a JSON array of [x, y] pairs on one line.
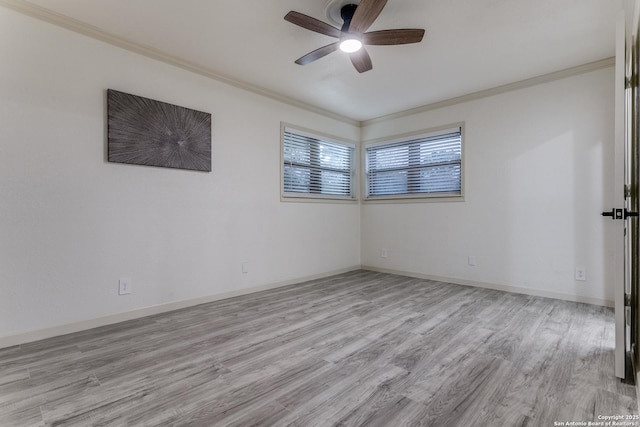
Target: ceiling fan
[[352, 36]]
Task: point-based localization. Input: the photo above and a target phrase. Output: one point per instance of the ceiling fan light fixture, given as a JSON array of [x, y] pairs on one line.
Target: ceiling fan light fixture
[[350, 45]]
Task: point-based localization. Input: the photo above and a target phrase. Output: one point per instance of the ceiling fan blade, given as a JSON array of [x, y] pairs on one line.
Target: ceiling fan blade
[[366, 12], [390, 37], [361, 60], [317, 54], [312, 24]]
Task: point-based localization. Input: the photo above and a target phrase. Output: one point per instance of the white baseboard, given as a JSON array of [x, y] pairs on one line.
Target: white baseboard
[[497, 287], [30, 336], [40, 334]]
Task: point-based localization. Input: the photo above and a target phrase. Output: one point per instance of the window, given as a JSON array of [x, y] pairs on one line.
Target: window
[[427, 165], [316, 167]]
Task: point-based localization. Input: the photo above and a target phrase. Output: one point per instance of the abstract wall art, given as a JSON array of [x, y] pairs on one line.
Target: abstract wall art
[[143, 131]]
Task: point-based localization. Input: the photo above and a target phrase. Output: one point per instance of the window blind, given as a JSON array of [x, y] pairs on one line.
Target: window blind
[[425, 165], [315, 166]]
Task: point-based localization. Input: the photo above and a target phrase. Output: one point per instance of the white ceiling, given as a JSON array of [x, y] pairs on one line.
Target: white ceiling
[[469, 45]]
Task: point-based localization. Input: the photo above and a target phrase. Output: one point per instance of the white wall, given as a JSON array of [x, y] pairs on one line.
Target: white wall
[[538, 173], [71, 224]]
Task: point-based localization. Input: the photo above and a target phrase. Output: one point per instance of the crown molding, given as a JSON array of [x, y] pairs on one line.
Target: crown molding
[[545, 78], [76, 26]]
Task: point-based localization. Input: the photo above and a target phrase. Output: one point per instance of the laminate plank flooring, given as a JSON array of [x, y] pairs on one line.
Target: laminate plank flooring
[[356, 349]]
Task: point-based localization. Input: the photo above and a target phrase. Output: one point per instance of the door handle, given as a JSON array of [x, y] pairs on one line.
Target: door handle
[[619, 214]]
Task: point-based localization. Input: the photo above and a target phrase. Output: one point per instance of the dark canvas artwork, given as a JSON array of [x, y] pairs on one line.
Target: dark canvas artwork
[[153, 133]]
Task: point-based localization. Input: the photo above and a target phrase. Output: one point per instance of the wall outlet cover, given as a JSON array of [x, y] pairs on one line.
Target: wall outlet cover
[[124, 286]]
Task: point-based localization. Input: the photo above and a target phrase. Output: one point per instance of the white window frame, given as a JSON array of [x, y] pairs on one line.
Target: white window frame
[[319, 197], [415, 197]]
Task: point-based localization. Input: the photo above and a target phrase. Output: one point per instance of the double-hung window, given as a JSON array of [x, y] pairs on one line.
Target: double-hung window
[[315, 166], [425, 165]]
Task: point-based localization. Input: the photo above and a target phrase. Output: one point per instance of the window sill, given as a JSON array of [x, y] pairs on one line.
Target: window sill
[[312, 198], [417, 198]]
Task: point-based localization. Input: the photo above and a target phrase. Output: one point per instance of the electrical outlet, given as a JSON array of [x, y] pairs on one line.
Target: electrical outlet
[[471, 260], [245, 267], [581, 274], [383, 253], [124, 286]]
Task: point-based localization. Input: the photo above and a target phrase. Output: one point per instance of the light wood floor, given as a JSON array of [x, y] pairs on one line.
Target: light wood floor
[[358, 349]]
